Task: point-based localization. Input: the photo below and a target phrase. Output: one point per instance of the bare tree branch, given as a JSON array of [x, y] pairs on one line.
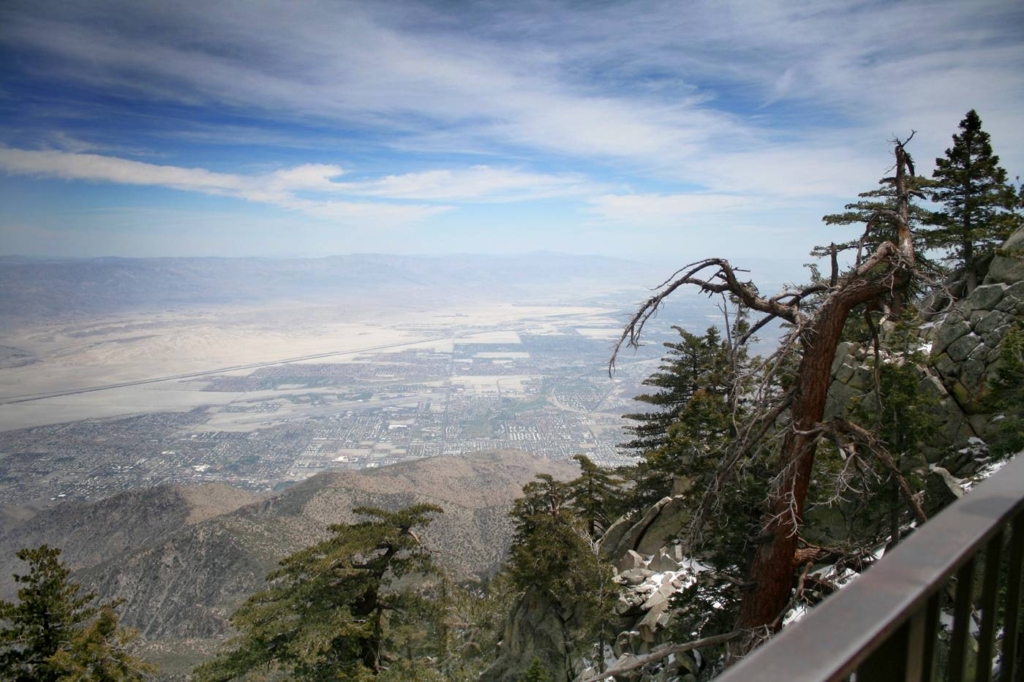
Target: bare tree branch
[[640, 661], [876, 448], [722, 280]]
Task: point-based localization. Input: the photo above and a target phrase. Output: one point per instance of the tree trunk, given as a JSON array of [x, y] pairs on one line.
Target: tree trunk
[[771, 572], [772, 567]]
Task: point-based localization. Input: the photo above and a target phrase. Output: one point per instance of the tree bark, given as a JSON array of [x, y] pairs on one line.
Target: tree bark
[[885, 272], [771, 572]]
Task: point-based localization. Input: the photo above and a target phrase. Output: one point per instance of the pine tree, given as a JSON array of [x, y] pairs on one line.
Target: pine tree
[[697, 378], [594, 495], [979, 203], [785, 427], [690, 364], [535, 673], [330, 609], [54, 633], [553, 556], [876, 210]]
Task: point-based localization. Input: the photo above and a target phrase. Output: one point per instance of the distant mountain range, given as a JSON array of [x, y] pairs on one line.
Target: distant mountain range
[[183, 559], [48, 288]]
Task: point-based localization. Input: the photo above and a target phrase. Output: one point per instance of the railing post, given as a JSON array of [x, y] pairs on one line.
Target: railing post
[[962, 609], [989, 607], [888, 663], [1011, 626]]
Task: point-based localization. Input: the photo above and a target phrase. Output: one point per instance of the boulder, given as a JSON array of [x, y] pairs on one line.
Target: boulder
[[1008, 265], [629, 561], [962, 347], [844, 373], [985, 297], [947, 333], [663, 561], [991, 321], [627, 539], [636, 576], [534, 629], [941, 489], [840, 398], [946, 367], [665, 526], [612, 537], [656, 619]]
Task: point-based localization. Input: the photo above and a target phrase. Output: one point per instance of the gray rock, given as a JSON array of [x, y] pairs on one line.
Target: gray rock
[[1014, 292], [973, 376], [655, 620], [976, 317], [863, 378], [941, 490], [534, 629], [636, 576], [948, 333], [840, 399], [665, 526], [629, 539], [621, 645], [612, 537], [629, 604], [629, 561], [993, 338], [946, 367], [662, 561], [660, 595], [1008, 267], [983, 425], [842, 352], [985, 297], [962, 347], [844, 373], [990, 321], [1012, 305]]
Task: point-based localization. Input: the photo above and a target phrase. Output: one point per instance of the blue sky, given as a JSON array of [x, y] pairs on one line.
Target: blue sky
[[649, 130]]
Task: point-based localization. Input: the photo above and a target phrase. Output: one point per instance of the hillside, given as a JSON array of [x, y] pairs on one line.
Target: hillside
[[181, 568], [91, 532]]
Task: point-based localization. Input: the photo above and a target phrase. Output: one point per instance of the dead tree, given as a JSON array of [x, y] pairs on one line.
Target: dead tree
[[880, 277]]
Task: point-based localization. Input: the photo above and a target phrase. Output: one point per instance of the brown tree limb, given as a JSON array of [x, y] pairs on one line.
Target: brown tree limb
[[876, 448], [722, 280]]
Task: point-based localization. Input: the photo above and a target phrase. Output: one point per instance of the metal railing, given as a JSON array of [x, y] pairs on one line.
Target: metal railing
[[885, 625]]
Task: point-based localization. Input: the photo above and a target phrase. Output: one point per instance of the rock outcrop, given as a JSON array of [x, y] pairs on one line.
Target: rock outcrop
[[536, 628], [961, 339]]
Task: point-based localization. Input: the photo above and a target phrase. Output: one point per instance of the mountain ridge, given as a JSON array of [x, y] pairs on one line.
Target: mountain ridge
[[182, 581]]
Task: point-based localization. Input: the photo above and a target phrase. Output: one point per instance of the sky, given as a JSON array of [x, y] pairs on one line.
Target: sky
[[666, 131]]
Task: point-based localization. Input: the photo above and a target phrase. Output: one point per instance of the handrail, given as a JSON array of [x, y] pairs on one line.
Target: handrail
[[885, 623]]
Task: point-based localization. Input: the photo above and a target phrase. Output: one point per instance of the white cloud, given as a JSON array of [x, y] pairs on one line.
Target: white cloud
[[661, 210], [277, 188], [292, 188], [71, 166], [474, 183], [642, 81], [763, 101], [317, 177]]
